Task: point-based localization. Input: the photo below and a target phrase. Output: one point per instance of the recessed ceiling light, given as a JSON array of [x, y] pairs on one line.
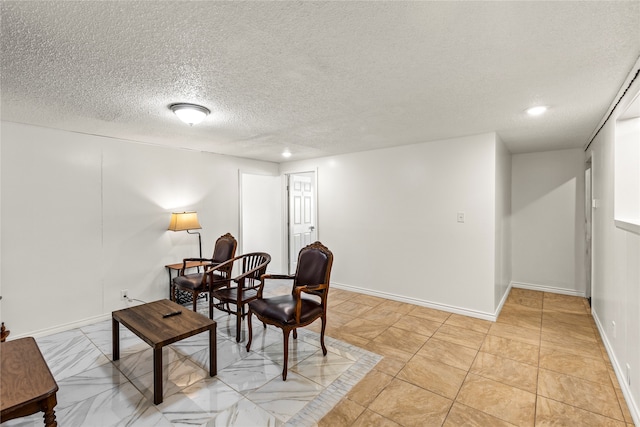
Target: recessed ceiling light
[[191, 114], [286, 154], [536, 111]]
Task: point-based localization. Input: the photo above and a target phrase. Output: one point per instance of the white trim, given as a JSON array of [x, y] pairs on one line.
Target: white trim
[[550, 289], [632, 226], [503, 300], [415, 301], [64, 327], [628, 396]]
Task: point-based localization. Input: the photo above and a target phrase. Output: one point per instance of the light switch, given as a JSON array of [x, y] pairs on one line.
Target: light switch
[[460, 216]]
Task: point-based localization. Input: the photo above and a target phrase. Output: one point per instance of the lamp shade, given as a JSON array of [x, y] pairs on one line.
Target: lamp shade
[[181, 221]]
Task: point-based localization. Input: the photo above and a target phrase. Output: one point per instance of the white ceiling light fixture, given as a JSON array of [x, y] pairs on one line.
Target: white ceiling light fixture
[[191, 114], [286, 154], [538, 110]]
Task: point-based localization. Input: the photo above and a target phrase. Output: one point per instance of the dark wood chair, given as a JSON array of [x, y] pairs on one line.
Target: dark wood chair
[[196, 283], [289, 312], [242, 288]]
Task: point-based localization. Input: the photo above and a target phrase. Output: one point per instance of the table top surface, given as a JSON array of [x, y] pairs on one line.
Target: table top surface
[[24, 374], [190, 264], [147, 322]]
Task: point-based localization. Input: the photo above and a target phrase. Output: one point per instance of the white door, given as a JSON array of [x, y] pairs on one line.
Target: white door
[[302, 215]]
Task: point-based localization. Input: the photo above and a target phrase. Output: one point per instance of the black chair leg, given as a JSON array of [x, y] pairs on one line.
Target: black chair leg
[[250, 331], [285, 332], [324, 325]]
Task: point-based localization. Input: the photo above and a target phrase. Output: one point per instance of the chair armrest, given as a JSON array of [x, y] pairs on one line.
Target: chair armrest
[[186, 260], [309, 289]]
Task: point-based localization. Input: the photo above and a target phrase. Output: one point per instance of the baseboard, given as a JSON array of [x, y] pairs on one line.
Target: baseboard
[[64, 327], [550, 289], [628, 397], [444, 307]]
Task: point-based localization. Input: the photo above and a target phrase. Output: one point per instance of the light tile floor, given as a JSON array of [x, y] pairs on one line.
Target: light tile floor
[[247, 391], [542, 363]]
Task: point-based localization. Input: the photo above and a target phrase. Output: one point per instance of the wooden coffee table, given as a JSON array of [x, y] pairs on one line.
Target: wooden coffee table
[[148, 321], [27, 384]]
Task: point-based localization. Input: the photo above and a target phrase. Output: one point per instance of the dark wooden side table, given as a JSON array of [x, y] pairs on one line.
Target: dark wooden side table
[[177, 267], [27, 385], [155, 325]]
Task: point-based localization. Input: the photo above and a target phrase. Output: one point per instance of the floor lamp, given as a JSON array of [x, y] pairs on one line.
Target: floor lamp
[[185, 221]]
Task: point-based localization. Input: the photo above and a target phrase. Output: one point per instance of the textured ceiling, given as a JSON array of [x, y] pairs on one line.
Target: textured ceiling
[[318, 78]]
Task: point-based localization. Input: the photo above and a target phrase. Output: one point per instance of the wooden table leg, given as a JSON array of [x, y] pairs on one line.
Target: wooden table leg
[[115, 338], [157, 375], [213, 361], [49, 414]]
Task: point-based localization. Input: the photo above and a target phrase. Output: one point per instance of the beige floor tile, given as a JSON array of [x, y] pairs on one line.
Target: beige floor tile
[[563, 303], [623, 404], [572, 345], [406, 341], [419, 326], [429, 313], [511, 349], [390, 365], [465, 416], [526, 293], [434, 376], [594, 397], [410, 405], [350, 308], [369, 300], [339, 333], [577, 319], [363, 328], [388, 351], [568, 338], [369, 387], [577, 332], [467, 322], [344, 413], [499, 400], [460, 336], [516, 333], [397, 306], [449, 353], [506, 371], [524, 320], [534, 303], [552, 413], [336, 318], [583, 367], [370, 418], [382, 316]]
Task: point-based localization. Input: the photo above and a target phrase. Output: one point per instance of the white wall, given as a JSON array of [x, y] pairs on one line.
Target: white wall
[[548, 221], [262, 225], [389, 216], [503, 223], [85, 216], [616, 269]]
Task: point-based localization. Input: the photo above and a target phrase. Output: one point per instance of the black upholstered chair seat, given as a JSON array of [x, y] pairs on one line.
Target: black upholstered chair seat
[[194, 281], [283, 309], [189, 281]]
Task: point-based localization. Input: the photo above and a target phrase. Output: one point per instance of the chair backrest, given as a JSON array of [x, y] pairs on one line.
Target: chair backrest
[[225, 248], [256, 264], [314, 266]]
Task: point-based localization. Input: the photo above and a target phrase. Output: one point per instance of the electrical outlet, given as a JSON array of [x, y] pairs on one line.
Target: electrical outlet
[[628, 375], [124, 294], [460, 216]]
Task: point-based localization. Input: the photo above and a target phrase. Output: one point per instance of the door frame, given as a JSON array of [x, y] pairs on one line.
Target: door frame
[[286, 238]]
